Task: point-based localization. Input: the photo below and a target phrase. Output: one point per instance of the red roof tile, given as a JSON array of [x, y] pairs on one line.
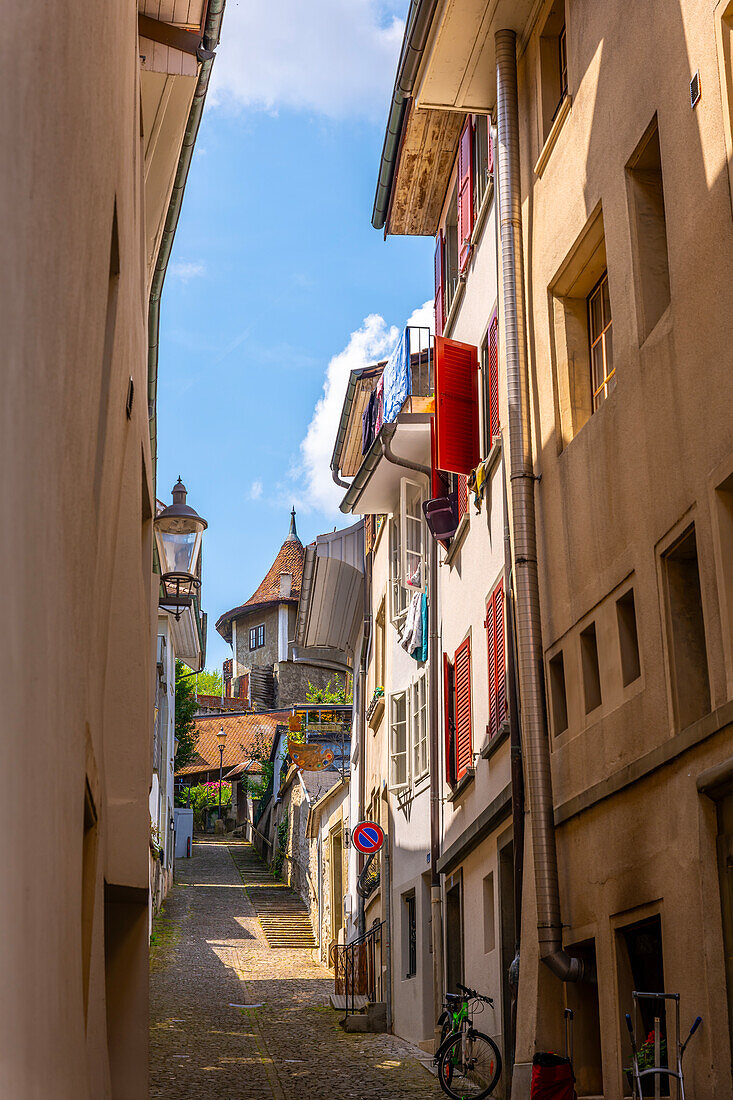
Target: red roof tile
[[246, 733]]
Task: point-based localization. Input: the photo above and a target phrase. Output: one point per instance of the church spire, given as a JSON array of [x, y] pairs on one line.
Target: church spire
[[292, 533]]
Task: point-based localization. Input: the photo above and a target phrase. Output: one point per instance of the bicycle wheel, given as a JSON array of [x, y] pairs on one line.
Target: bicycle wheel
[[445, 1030], [470, 1072]]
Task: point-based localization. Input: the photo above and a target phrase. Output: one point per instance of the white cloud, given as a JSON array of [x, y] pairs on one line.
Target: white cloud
[[255, 490], [187, 269], [371, 342], [334, 57]]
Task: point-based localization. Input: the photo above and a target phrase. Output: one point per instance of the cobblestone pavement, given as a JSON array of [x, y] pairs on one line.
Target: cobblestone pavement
[[209, 958]]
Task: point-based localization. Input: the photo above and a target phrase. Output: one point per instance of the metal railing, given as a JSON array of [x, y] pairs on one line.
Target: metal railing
[[358, 965], [421, 361]]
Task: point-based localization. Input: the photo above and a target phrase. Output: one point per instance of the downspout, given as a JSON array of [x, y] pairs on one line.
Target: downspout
[[338, 480], [212, 30], [529, 634], [361, 719], [436, 902]]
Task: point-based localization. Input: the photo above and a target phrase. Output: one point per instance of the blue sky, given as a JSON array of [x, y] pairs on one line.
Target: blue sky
[[278, 284]]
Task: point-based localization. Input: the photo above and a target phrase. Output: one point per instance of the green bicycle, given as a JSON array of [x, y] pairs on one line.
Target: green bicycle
[[469, 1062]]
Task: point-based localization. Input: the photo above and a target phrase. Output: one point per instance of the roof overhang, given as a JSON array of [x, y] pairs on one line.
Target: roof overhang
[[456, 75], [375, 489], [346, 452]]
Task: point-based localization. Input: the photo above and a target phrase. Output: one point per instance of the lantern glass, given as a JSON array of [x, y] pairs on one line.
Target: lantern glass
[[179, 544], [221, 738]]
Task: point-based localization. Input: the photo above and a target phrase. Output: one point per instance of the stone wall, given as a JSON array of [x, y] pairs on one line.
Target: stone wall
[[292, 679]]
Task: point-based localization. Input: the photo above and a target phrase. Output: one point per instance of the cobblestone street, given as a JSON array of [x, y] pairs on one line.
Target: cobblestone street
[[232, 1018]]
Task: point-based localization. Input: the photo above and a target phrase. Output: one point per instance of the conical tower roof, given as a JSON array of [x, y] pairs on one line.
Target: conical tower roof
[[289, 559]]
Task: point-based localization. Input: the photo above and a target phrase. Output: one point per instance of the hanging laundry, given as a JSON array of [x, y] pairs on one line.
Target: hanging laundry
[[368, 418], [477, 484], [379, 392], [396, 377], [414, 581], [408, 637], [420, 652]]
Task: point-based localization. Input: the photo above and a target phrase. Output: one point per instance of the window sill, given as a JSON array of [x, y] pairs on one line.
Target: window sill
[[462, 785], [495, 743], [552, 137]]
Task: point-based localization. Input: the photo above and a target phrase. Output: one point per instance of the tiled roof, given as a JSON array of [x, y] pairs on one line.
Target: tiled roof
[[246, 733], [290, 559]]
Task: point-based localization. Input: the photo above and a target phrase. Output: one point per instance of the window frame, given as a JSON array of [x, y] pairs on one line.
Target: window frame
[[395, 699], [415, 517], [256, 636], [608, 381], [418, 722], [398, 593]]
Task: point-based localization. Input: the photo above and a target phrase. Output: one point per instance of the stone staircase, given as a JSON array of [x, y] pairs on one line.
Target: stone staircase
[[283, 915]]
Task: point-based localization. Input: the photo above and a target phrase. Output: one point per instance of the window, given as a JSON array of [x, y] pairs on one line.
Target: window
[[628, 638], [686, 631], [412, 549], [379, 646], [409, 734], [490, 378], [398, 777], [399, 596], [464, 195], [648, 231], [724, 531], [640, 965], [553, 66], [449, 719], [603, 377], [581, 329], [489, 914], [419, 727], [494, 624], [483, 160], [450, 252], [257, 637], [558, 695], [591, 668], [409, 934]]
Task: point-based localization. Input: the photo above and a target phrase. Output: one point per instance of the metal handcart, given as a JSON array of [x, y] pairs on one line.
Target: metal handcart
[[659, 1072]]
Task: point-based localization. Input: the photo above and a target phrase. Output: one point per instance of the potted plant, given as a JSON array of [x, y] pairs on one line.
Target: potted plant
[[645, 1060]]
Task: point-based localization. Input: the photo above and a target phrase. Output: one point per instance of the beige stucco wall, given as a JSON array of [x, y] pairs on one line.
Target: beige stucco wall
[[646, 461], [77, 498]]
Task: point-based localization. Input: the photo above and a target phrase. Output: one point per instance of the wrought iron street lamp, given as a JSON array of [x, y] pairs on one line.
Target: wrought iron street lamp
[[178, 532], [222, 739]]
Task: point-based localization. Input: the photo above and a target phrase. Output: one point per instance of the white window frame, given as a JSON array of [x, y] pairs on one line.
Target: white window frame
[[398, 594], [418, 715], [395, 752], [411, 522]]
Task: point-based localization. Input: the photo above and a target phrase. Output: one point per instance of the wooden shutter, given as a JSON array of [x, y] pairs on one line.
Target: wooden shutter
[[493, 379], [497, 659], [465, 194], [462, 674], [456, 406], [439, 289], [448, 688]]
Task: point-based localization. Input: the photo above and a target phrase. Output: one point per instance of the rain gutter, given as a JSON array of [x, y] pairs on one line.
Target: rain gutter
[[212, 31], [417, 28]]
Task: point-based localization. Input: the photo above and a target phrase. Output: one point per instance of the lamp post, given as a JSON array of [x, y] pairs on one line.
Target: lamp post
[[178, 532], [222, 739]]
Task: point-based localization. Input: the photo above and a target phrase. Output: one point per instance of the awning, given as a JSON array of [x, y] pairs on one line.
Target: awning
[[331, 595]]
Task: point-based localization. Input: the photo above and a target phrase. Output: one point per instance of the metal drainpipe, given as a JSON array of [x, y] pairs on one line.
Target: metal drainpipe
[[436, 899], [361, 716], [529, 634], [338, 480]]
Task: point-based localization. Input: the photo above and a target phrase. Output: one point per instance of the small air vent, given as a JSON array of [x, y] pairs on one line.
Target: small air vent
[[695, 90]]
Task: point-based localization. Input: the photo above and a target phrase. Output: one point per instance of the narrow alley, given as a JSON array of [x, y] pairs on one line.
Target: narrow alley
[[231, 1016]]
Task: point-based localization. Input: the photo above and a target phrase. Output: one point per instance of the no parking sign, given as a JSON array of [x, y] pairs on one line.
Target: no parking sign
[[368, 837]]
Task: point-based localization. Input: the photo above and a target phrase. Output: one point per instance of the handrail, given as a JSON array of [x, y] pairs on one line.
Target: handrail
[[352, 970]]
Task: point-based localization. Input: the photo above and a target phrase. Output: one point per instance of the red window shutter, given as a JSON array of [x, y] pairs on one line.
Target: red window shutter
[[493, 379], [497, 660], [462, 674], [465, 194], [439, 291], [462, 496], [450, 763], [456, 406]]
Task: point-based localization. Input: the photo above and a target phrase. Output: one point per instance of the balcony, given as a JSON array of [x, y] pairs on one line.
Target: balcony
[[387, 412]]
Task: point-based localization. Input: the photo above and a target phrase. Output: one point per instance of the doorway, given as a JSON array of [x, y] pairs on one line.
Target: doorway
[[453, 937], [337, 885], [508, 950]]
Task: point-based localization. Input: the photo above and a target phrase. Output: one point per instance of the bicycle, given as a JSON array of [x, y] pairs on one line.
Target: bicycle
[[469, 1062]]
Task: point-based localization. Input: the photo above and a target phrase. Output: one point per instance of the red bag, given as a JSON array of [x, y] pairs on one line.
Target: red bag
[[554, 1082]]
